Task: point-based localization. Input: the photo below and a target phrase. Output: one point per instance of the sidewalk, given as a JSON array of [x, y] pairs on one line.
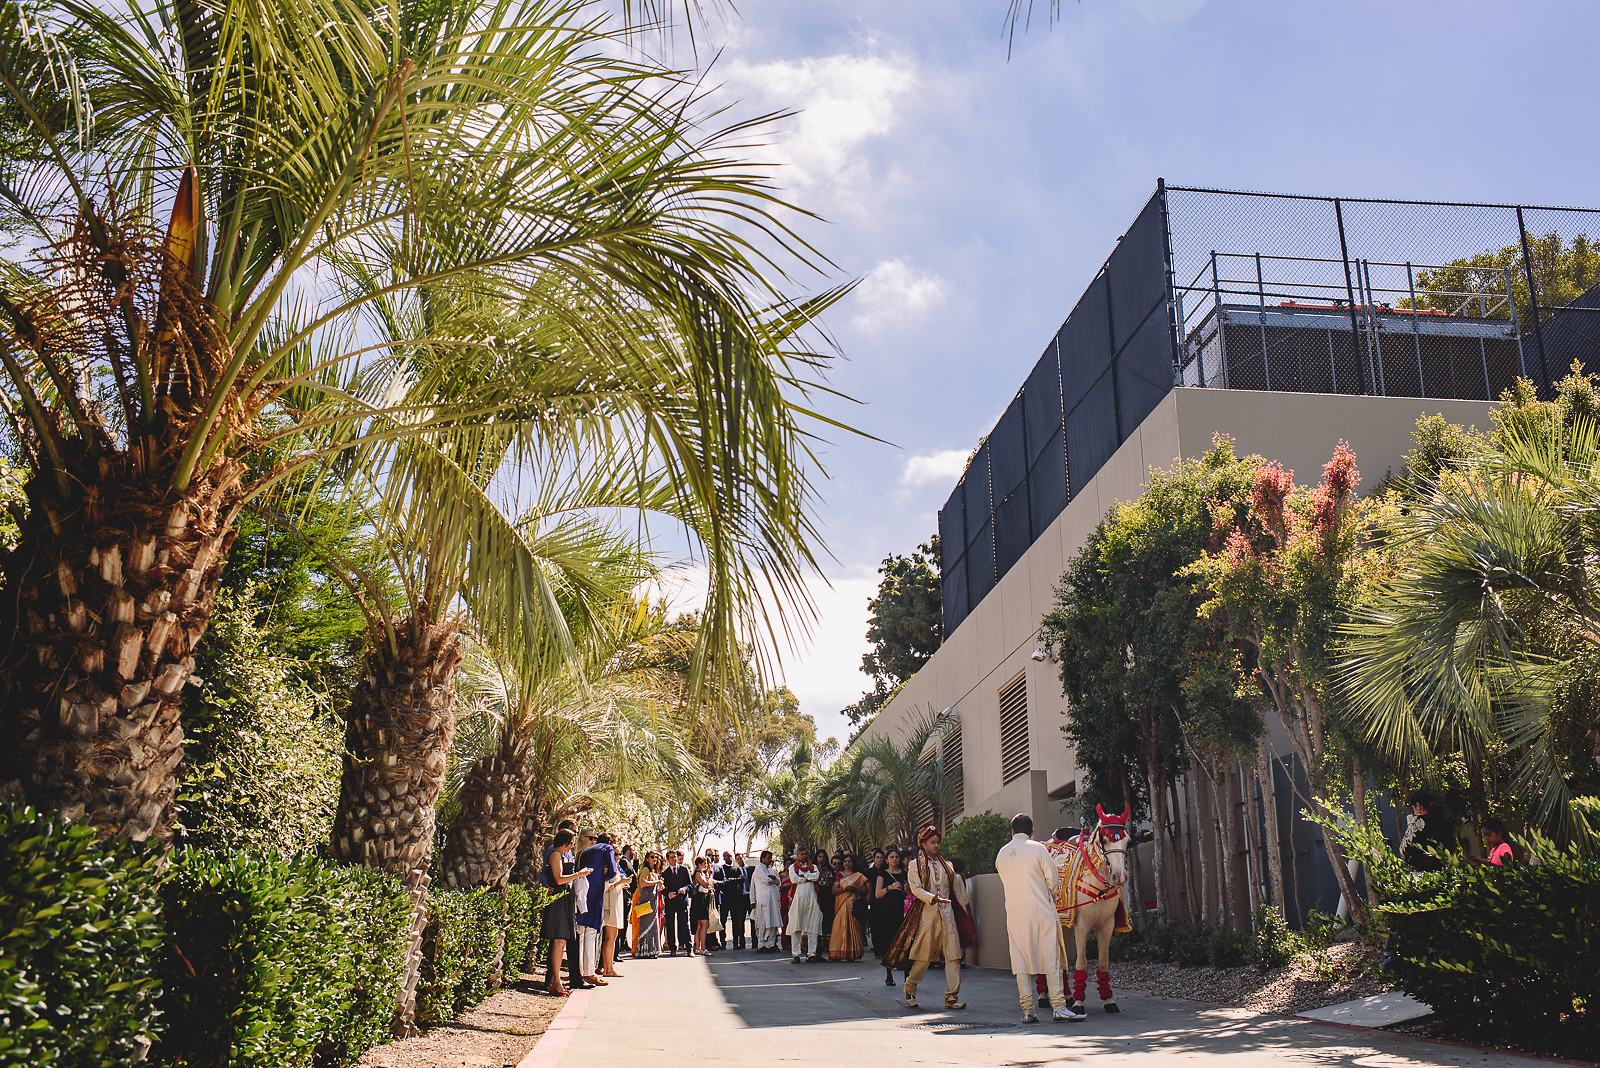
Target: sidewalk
[[684, 1011]]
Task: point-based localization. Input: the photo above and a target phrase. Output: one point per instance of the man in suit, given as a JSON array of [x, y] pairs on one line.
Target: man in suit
[[733, 900], [675, 882]]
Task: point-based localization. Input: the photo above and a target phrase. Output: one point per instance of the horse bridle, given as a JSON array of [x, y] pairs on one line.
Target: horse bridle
[[1103, 844]]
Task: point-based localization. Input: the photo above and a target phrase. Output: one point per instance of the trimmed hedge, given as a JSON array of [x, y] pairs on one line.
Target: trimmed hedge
[[460, 952], [524, 904], [1191, 945], [79, 929], [275, 962], [1509, 952]]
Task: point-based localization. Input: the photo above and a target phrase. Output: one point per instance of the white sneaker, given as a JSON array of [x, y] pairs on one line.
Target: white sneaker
[[1029, 1018], [1068, 1013]]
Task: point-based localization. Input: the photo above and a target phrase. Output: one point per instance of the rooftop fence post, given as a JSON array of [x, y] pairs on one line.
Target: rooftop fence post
[[1350, 295], [1533, 305]]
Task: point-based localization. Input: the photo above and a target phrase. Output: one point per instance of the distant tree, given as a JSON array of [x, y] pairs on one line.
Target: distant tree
[[976, 839], [904, 626], [1563, 271]]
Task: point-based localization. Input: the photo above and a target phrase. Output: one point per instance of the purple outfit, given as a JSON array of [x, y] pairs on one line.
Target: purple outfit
[[603, 859]]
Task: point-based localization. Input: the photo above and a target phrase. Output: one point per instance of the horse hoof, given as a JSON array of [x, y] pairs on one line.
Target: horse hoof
[[1111, 1006]]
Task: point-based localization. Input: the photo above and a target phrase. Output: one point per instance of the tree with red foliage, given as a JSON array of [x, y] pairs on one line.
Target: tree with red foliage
[[1277, 584]]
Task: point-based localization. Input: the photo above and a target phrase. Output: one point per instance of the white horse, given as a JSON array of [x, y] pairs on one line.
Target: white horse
[[1089, 900]]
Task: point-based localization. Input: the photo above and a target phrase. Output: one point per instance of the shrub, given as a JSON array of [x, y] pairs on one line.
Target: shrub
[[524, 905], [1274, 944], [79, 931], [1505, 950], [461, 952], [261, 768], [975, 840], [276, 962]]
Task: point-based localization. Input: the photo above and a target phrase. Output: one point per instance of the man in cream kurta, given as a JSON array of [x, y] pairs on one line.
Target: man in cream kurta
[[1028, 874]]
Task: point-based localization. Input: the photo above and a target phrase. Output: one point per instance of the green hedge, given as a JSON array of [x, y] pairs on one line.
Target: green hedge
[[460, 952], [1192, 945], [274, 962], [524, 904], [79, 929], [1505, 952]]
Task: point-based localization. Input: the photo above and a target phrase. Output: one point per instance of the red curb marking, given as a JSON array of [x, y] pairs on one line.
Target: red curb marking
[[546, 1053]]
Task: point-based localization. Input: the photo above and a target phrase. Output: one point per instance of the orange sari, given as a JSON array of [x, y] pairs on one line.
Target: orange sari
[[844, 941]]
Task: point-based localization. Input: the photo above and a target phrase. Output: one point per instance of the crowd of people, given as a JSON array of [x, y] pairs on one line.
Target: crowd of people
[[908, 908]]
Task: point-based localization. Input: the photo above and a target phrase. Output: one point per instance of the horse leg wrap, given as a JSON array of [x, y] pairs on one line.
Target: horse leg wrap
[[1039, 984], [1080, 983], [1103, 981]]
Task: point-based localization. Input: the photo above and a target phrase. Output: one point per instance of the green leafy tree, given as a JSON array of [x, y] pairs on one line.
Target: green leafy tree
[[1131, 651], [976, 839], [1276, 586], [904, 625], [1563, 271]]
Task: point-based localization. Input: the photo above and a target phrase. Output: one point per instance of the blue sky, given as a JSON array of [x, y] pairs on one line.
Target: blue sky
[[976, 195]]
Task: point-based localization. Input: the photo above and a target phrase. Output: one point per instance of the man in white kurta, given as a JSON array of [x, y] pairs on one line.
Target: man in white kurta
[[766, 899], [1028, 874]]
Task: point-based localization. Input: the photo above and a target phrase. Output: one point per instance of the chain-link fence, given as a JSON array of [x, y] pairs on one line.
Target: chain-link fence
[[1273, 292]]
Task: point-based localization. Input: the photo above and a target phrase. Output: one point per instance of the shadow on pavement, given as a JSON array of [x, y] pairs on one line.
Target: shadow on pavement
[[770, 991]]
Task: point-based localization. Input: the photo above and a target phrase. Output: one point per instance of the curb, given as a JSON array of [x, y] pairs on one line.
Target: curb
[[547, 1051]]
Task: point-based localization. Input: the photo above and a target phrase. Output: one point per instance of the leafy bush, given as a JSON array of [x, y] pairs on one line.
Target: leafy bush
[[1274, 944], [261, 769], [461, 948], [79, 930], [975, 840], [1504, 950], [524, 904], [275, 962], [1191, 945]]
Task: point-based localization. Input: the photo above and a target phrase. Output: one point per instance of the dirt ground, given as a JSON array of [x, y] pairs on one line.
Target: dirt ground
[[496, 1034], [1342, 972]]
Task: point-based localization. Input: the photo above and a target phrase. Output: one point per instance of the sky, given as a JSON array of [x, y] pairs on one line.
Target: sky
[[975, 195]]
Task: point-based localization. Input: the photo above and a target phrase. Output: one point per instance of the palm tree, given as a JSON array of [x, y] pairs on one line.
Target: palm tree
[[902, 783], [1485, 635], [224, 198]]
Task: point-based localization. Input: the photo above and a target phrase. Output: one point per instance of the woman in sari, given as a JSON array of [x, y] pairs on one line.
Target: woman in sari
[[646, 912], [844, 942]]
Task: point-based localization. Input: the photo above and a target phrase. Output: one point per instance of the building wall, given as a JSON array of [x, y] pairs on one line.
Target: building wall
[[996, 641]]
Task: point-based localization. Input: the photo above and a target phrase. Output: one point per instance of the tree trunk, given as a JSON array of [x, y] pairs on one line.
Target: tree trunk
[[480, 845], [396, 746], [106, 596], [1238, 863], [1202, 833], [1269, 801], [1182, 850], [1158, 804]]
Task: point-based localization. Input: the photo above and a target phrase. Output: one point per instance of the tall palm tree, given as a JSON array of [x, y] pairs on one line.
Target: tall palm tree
[[1486, 633], [901, 781], [226, 194]]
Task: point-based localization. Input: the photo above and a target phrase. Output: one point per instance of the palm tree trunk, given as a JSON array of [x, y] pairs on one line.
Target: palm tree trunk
[[396, 745], [106, 596], [1269, 801], [480, 845]]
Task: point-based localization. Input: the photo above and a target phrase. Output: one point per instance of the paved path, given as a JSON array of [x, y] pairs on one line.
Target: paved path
[[764, 1010]]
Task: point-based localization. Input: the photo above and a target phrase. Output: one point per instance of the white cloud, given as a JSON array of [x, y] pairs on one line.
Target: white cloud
[[843, 101], [942, 467], [824, 666], [895, 292]]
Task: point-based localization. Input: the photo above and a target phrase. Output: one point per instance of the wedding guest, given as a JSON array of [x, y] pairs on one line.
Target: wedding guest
[[844, 941]]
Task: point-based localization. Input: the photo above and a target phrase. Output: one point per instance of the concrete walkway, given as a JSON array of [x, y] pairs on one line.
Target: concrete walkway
[[764, 1010]]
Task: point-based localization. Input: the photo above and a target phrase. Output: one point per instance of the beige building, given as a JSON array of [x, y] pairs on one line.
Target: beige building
[[990, 672]]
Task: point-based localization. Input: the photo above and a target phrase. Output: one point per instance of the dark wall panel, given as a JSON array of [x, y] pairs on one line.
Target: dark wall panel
[[1012, 534], [1138, 270], [952, 530], [1008, 458], [1047, 485], [980, 563], [976, 493], [1144, 371], [1041, 401], [955, 600], [1091, 433], [1084, 342]]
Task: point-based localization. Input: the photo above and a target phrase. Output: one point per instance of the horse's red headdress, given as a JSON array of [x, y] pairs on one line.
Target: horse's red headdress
[[1113, 825]]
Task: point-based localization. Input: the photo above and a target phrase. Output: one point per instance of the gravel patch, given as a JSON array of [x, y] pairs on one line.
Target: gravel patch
[[1341, 972], [496, 1034]]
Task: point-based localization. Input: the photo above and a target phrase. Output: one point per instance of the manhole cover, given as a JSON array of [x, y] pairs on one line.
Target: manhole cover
[[947, 1027]]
